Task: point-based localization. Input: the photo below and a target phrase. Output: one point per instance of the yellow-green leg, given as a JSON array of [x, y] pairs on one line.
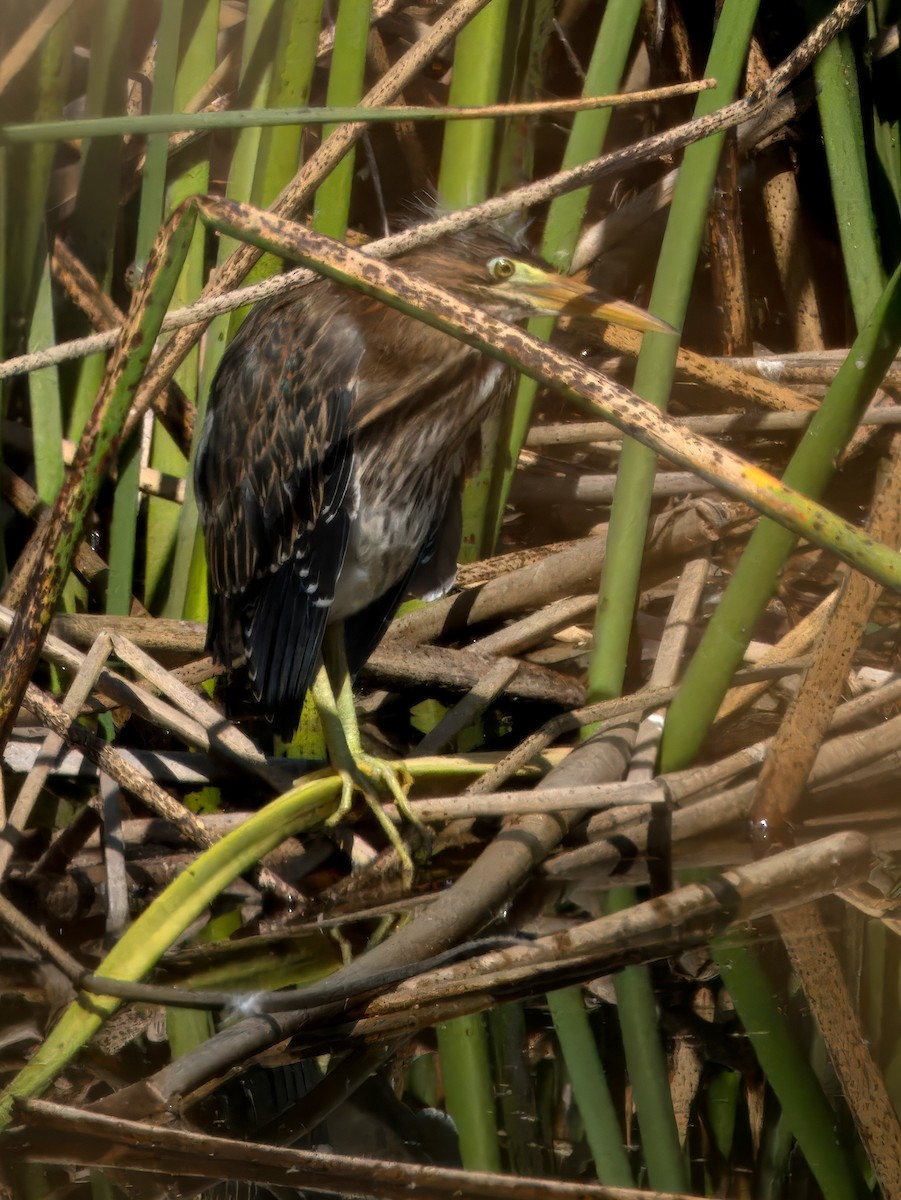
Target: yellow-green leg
[[359, 771]]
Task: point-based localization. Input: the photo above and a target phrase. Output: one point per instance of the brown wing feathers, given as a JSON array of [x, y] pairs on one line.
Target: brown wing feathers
[[273, 471]]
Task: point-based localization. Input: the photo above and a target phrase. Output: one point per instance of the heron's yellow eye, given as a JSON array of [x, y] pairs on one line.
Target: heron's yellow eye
[[502, 268]]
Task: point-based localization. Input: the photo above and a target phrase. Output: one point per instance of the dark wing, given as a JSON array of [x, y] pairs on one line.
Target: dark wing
[[431, 575], [273, 480]]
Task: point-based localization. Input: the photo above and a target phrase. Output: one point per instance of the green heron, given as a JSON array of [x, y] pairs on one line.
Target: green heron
[[330, 465]]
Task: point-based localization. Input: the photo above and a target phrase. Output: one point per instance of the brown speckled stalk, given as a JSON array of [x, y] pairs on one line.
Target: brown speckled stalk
[[97, 448]]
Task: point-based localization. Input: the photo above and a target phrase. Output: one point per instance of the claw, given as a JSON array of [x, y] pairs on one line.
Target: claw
[[372, 776], [360, 771]]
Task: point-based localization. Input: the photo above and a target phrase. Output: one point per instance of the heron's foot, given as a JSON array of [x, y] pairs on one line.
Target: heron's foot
[[375, 779]]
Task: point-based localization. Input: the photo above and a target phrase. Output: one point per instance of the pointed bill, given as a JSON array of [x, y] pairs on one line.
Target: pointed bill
[[572, 298]]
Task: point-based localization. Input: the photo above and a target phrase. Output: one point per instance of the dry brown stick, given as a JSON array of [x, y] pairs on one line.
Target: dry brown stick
[[810, 366], [822, 980], [779, 789], [32, 935], [577, 568], [728, 269], [50, 714], [407, 134], [222, 734], [115, 876], [667, 664], [717, 375], [83, 289], [797, 641], [685, 787], [114, 690], [470, 575], [575, 433], [81, 687], [788, 234], [809, 714], [396, 665], [682, 613], [520, 635], [585, 799], [785, 218], [697, 909], [150, 633], [56, 1133], [542, 489], [484, 692], [839, 760]]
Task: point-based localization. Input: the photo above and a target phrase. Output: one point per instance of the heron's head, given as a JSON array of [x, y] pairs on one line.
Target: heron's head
[[488, 268], [514, 288]]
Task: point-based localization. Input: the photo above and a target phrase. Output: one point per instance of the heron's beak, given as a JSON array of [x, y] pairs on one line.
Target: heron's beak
[[564, 296], [567, 297]]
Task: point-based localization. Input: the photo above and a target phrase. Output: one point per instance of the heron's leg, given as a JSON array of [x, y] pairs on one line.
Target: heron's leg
[[395, 779], [336, 740], [333, 694]]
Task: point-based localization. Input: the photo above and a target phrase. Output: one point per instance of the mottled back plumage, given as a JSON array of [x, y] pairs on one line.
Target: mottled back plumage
[[329, 469]]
